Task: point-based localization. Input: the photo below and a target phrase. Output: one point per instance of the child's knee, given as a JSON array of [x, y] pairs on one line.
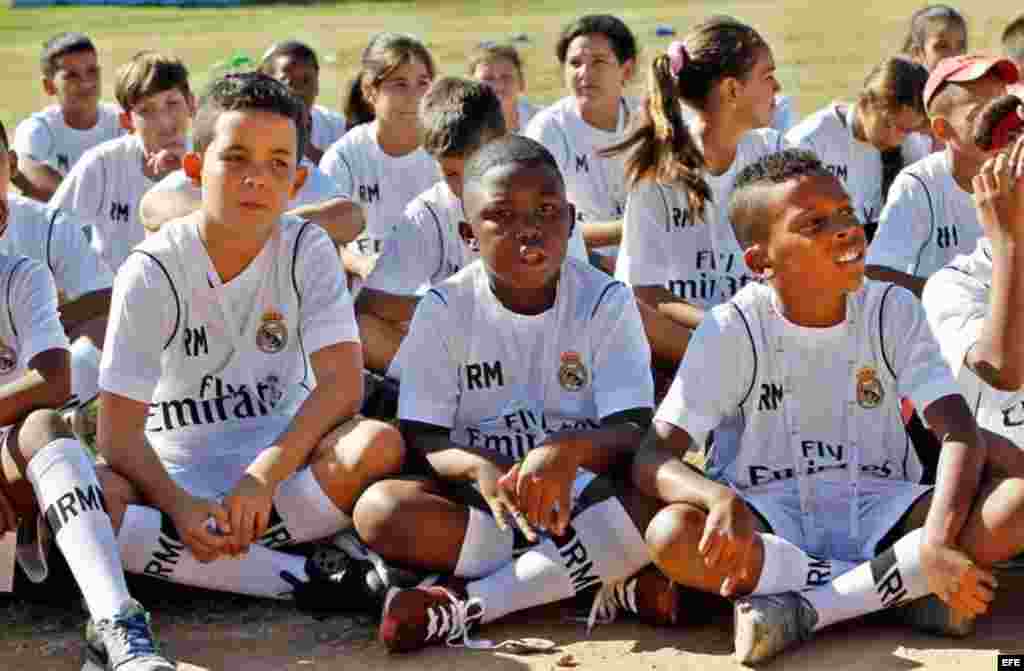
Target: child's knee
[[673, 530], [39, 429], [375, 449], [375, 512]]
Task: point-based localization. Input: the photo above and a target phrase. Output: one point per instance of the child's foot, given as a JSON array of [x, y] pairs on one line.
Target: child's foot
[[767, 625]]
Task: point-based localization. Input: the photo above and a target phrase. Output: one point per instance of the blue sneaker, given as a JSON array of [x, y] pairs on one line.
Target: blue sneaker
[[123, 643]]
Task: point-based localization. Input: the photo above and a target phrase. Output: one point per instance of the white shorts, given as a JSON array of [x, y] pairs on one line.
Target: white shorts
[[882, 505]]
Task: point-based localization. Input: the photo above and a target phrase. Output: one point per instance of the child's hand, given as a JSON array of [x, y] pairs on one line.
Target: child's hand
[[164, 162], [543, 481], [957, 580], [191, 518], [491, 480], [999, 196], [729, 536]]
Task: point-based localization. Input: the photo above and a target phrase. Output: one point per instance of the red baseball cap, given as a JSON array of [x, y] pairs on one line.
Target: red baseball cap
[[967, 68]]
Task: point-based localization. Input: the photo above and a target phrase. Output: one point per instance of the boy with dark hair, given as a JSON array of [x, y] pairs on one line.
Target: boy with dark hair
[[929, 218], [458, 116], [295, 65], [104, 188], [811, 510], [48, 486], [531, 387], [51, 141], [232, 374]]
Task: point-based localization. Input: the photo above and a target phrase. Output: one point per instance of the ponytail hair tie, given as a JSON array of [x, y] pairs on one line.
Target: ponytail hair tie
[[677, 57]]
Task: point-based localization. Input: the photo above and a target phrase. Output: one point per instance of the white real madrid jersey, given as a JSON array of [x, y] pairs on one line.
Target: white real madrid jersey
[[46, 138], [103, 190], [503, 380], [223, 368], [328, 127], [664, 244], [29, 321], [957, 301], [595, 185], [50, 236], [383, 185], [428, 248], [788, 402], [317, 188], [927, 220]]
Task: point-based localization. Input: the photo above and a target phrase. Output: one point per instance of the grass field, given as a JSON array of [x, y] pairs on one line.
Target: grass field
[[823, 49]]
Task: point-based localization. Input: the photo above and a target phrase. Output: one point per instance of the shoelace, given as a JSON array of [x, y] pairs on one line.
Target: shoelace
[[609, 600], [452, 621], [133, 633]]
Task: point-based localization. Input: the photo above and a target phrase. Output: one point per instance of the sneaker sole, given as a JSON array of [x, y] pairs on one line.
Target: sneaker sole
[[93, 660], [755, 638]]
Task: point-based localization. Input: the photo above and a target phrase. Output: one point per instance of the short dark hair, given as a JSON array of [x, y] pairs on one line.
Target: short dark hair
[[488, 53], [618, 33], [747, 208], [294, 49], [60, 45], [247, 91], [506, 150], [457, 115], [1013, 40]]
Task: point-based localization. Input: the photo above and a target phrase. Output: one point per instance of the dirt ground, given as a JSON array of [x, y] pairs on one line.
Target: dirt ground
[[215, 633]]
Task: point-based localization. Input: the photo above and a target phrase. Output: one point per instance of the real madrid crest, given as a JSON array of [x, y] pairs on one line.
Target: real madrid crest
[[572, 374], [8, 359], [272, 335], [869, 389]]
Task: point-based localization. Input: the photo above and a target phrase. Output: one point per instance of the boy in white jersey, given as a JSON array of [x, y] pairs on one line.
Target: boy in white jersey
[[811, 471], [928, 216], [49, 236], [296, 65], [975, 304], [597, 54], [232, 373], [458, 116], [531, 377], [104, 188], [48, 487], [51, 141]]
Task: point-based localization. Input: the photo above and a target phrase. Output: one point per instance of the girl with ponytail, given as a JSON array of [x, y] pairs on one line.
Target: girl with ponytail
[[679, 252]]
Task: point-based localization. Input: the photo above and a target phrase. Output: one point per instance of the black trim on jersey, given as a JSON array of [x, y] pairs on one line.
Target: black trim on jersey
[[440, 235], [10, 281], [49, 241], [881, 329], [174, 290], [351, 174], [642, 417], [298, 295], [753, 348], [604, 292], [931, 219], [439, 295]]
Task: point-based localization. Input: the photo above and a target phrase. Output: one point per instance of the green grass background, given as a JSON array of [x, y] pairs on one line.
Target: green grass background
[[824, 48]]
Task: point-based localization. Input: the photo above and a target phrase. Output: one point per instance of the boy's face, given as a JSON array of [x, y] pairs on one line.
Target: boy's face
[[162, 120], [593, 72], [76, 83], [397, 98], [815, 241], [956, 124], [521, 220], [249, 170], [452, 169], [503, 76], [299, 75], [943, 41]]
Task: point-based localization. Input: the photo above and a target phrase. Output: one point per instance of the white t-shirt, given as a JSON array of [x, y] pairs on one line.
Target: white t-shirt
[[502, 380], [664, 245], [793, 406], [51, 237], [527, 111], [957, 301], [170, 343], [46, 138], [328, 127], [103, 190], [317, 188], [927, 220], [29, 321], [383, 185], [595, 185], [428, 248]]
